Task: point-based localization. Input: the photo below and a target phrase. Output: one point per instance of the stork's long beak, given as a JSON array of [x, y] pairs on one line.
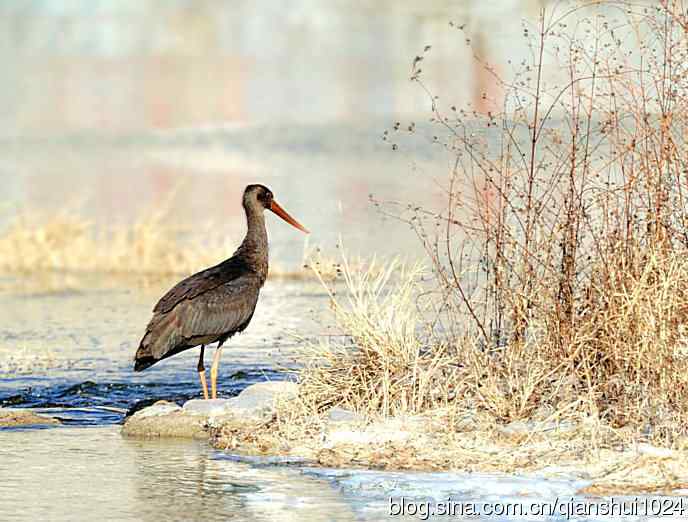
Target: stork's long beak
[[286, 217]]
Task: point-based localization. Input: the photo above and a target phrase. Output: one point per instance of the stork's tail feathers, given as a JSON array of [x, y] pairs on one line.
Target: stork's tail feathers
[[143, 358], [162, 339], [142, 363]]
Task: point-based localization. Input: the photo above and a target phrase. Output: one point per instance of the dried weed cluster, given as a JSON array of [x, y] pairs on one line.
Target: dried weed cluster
[[560, 261]]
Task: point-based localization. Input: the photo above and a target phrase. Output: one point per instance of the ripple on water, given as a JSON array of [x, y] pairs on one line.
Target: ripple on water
[[90, 402], [86, 470]]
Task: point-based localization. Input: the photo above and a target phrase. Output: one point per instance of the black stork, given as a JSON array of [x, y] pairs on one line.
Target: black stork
[[218, 302]]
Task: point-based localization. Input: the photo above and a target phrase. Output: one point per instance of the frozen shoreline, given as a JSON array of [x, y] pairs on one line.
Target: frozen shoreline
[[409, 448], [131, 478]]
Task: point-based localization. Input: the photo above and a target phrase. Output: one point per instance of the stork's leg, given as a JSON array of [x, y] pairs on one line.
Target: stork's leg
[[201, 373], [213, 370]]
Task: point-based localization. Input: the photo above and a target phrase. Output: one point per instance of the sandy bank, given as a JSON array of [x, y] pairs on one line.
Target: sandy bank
[[12, 418]]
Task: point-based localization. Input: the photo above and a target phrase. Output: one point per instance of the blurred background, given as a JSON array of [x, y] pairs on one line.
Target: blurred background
[[118, 109]]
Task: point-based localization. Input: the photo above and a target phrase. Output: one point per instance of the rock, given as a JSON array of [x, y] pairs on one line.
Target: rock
[[174, 424], [10, 418], [655, 451], [165, 419], [337, 414], [157, 409], [255, 404], [265, 393], [207, 407]]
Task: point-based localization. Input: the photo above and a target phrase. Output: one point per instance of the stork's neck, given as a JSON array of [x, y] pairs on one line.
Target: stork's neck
[[254, 249]]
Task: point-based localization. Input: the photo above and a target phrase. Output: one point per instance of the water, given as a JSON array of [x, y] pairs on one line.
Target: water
[[69, 474], [75, 363]]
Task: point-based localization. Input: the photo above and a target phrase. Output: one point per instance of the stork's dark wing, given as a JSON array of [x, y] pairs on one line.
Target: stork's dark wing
[[200, 283], [213, 315], [222, 311]]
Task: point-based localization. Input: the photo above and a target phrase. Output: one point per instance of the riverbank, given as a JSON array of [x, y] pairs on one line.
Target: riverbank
[[15, 418], [132, 479], [260, 422]]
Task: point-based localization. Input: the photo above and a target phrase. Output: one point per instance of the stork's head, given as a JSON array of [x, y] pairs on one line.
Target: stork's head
[[261, 197]]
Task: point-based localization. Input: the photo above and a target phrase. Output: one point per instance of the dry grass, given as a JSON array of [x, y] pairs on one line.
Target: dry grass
[[45, 247], [559, 256], [555, 332], [626, 364], [381, 363], [521, 408], [66, 242]]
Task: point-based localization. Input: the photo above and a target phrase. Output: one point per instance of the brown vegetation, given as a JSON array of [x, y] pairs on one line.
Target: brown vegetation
[[560, 273], [67, 243], [561, 251]]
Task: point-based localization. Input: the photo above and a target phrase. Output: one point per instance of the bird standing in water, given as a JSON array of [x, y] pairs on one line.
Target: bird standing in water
[[218, 302]]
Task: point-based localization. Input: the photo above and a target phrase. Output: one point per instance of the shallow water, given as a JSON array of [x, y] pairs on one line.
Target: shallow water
[[70, 353], [94, 473], [81, 473], [67, 474]]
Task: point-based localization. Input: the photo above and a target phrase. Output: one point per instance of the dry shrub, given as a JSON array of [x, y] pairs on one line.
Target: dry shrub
[[512, 382], [561, 246], [630, 348], [553, 331], [625, 363], [559, 255]]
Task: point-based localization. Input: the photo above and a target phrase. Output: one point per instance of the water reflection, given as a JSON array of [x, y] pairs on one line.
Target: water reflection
[[95, 474]]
